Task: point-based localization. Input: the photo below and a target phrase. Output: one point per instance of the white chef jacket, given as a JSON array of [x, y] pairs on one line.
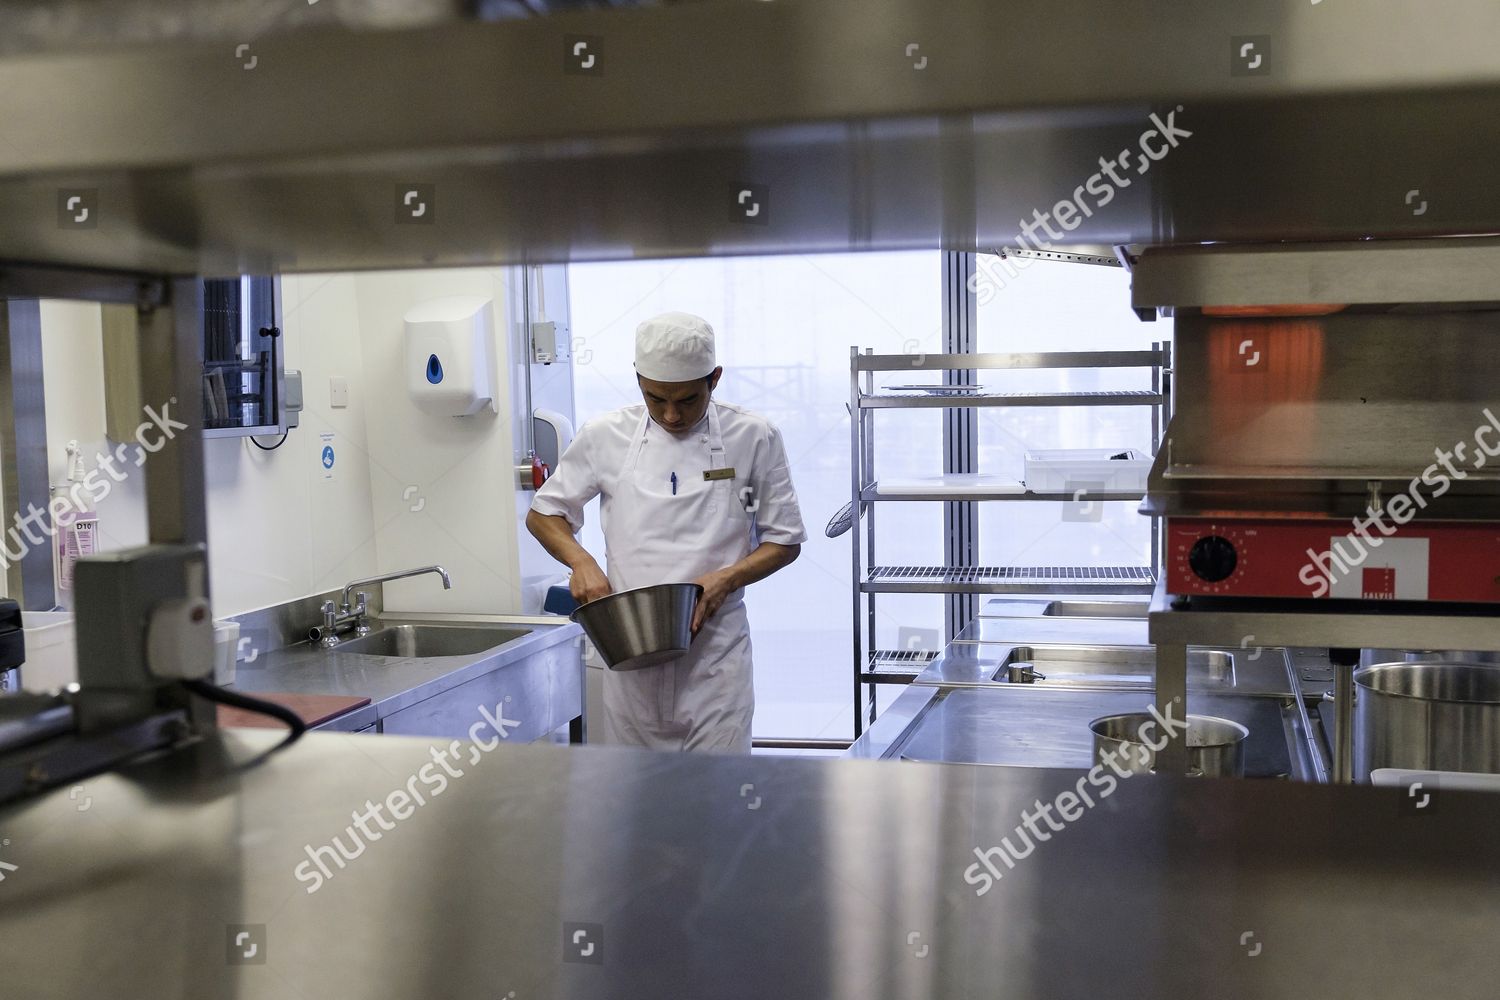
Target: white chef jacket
[[592, 463]]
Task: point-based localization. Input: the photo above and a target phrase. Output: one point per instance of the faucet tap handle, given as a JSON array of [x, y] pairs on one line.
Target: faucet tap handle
[[361, 623]]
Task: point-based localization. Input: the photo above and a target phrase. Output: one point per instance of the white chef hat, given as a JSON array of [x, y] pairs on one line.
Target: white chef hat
[[674, 347]]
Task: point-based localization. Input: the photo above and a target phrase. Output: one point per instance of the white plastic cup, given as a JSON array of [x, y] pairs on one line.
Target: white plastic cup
[[226, 649]]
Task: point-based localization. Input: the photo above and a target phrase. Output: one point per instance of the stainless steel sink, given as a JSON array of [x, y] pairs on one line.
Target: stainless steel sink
[[410, 640], [1107, 666], [1096, 609]]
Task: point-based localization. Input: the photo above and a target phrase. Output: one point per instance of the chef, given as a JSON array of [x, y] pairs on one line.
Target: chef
[[692, 489]]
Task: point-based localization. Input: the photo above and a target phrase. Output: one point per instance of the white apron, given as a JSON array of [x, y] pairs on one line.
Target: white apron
[[703, 700]]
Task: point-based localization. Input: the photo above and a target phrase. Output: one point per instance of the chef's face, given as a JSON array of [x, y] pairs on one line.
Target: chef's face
[[678, 406]]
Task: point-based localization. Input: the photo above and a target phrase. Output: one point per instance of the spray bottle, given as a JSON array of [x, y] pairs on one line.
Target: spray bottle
[[75, 527]]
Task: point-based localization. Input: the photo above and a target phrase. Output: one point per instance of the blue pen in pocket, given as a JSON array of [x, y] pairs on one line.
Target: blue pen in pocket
[[674, 484]]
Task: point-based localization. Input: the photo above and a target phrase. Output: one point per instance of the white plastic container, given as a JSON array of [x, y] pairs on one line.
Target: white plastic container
[[51, 650], [226, 651], [956, 483], [1071, 469]]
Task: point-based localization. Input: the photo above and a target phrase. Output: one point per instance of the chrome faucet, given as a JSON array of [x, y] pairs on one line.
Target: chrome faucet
[[342, 618], [398, 575]]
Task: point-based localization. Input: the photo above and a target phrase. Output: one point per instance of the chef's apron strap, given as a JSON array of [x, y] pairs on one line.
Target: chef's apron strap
[[717, 457], [637, 442]]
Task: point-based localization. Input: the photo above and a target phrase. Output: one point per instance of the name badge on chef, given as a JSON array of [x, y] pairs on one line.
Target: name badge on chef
[[710, 475]]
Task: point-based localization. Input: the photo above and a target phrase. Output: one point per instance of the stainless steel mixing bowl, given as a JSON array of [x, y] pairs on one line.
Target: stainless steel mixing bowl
[[643, 627]]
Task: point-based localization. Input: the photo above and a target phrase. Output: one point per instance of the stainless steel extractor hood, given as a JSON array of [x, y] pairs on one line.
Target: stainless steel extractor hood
[[1315, 380], [846, 125]]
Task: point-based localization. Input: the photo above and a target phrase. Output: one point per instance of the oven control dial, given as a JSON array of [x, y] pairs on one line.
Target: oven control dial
[[1213, 558]]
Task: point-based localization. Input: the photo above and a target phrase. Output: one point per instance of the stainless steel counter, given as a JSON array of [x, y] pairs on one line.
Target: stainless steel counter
[[539, 674], [1026, 726], [730, 877], [1108, 631], [1243, 671], [962, 708]]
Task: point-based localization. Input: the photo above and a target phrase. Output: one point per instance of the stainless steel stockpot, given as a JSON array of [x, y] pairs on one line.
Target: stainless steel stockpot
[[1216, 747], [1427, 716]]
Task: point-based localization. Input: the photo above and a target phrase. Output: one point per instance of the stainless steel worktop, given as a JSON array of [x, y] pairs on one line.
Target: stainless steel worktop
[[1108, 631], [1027, 726], [1008, 628], [393, 683], [962, 709], [1248, 671], [729, 877]]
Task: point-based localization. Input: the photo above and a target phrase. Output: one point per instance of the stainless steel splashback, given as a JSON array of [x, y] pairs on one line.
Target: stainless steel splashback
[[856, 125]]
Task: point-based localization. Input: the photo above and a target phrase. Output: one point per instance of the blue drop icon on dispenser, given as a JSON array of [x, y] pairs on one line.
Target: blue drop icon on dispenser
[[434, 369]]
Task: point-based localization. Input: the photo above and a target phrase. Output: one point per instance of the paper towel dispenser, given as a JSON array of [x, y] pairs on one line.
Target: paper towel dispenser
[[450, 345]]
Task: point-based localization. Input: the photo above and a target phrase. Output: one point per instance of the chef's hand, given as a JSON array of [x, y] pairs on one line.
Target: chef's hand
[[588, 582], [717, 586]]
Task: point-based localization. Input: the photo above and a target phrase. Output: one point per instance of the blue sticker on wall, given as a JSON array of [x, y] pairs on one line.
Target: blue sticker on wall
[[328, 456]]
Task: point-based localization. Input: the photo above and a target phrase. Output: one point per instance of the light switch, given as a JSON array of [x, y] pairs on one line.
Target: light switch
[[338, 391]]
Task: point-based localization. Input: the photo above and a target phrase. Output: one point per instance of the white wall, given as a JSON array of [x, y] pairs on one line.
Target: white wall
[[73, 381], [280, 526], [442, 488]]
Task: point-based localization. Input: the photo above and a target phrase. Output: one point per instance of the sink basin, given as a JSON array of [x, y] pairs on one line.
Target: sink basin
[[430, 640], [1109, 666], [1096, 609]]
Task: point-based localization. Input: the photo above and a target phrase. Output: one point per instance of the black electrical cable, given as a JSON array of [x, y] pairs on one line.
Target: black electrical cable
[[273, 447], [234, 699]]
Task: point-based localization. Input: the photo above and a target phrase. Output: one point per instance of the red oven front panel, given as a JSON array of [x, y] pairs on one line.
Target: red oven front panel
[[1239, 557]]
